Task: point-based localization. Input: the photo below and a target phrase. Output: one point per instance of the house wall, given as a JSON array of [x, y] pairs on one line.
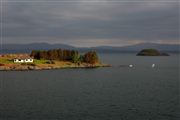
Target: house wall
[[28, 60], [23, 60], [18, 61]]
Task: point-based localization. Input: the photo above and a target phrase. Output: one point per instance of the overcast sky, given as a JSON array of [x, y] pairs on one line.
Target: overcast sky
[[86, 23]]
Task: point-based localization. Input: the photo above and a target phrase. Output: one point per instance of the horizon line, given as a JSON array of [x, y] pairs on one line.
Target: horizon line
[[94, 1], [90, 46]]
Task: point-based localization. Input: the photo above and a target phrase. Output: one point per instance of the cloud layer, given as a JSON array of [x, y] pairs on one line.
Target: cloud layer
[[83, 23]]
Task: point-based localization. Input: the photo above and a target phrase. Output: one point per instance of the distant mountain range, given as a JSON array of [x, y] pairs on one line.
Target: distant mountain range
[[27, 48], [138, 47]]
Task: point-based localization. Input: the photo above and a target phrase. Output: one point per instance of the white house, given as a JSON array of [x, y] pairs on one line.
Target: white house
[[23, 60]]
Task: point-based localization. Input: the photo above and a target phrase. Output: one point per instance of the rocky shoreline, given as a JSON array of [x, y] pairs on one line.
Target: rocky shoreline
[[49, 67]]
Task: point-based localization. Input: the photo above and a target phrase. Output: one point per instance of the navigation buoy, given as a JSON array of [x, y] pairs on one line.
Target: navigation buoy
[[130, 65], [153, 65]]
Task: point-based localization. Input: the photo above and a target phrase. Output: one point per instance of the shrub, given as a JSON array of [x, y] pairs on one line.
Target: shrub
[[81, 58], [91, 57], [23, 63], [75, 58], [1, 64], [50, 62]]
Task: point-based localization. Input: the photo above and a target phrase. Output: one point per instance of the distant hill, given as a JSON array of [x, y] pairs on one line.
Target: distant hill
[[151, 52], [138, 47], [27, 48]]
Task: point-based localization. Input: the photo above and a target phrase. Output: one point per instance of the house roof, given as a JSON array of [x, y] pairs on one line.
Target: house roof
[[23, 57]]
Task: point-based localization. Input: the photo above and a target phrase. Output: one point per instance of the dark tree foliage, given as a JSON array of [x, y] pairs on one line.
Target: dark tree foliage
[[66, 55], [55, 54], [151, 52], [91, 57], [35, 54]]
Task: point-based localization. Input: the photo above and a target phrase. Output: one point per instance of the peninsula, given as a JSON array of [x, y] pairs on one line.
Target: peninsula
[[50, 59]]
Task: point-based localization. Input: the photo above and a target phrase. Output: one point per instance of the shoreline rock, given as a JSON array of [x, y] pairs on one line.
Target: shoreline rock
[[31, 68]]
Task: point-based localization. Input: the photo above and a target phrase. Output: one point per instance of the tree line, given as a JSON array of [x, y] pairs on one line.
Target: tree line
[[65, 55]]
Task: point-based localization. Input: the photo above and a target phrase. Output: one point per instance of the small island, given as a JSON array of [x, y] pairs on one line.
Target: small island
[[151, 52], [50, 59]]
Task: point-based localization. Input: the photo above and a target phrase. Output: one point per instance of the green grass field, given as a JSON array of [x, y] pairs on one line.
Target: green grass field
[[6, 61], [40, 61]]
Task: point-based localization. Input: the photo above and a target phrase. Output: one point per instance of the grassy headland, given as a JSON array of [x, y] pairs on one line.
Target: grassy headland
[[52, 59]]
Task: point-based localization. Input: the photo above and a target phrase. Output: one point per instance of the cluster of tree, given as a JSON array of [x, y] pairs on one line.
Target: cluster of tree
[[91, 57], [55, 54], [66, 55]]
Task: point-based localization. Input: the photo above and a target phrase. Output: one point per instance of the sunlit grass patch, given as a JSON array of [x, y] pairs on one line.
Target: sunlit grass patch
[[40, 61], [6, 61]]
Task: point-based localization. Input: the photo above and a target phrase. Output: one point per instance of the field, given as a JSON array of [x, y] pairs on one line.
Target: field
[[6, 61]]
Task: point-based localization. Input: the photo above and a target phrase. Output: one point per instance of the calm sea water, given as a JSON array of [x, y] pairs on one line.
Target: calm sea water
[[115, 93]]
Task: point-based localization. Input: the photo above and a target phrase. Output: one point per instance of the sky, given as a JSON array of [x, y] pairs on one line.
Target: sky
[[85, 23]]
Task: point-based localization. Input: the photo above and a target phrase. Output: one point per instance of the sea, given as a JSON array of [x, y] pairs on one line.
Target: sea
[[120, 92]]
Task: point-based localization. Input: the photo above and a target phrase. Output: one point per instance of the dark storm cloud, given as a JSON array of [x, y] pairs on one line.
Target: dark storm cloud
[[91, 23]]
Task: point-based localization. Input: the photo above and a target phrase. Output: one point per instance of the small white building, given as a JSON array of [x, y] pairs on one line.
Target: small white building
[[23, 60]]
